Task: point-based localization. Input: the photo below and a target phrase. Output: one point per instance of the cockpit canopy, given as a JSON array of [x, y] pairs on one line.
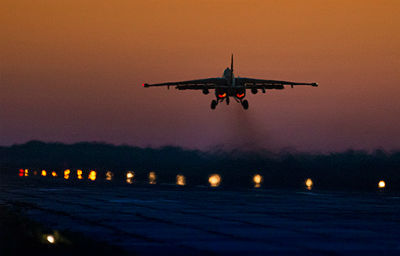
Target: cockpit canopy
[[227, 73]]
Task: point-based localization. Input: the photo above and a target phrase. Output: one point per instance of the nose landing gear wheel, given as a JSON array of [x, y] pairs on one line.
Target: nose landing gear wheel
[[213, 104], [245, 104]]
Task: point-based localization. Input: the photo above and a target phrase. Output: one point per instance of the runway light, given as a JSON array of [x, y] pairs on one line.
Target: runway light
[[21, 172], [35, 173], [152, 178], [257, 179], [309, 184], [54, 174], [130, 175], [66, 174], [381, 184], [79, 173], [92, 175], [44, 173], [26, 172], [109, 175], [214, 180], [180, 180], [50, 239]]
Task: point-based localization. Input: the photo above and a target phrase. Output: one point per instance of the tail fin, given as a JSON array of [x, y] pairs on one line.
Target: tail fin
[[233, 79], [232, 63]]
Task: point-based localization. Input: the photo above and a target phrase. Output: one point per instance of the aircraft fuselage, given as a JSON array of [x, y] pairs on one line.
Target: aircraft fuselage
[[232, 90]]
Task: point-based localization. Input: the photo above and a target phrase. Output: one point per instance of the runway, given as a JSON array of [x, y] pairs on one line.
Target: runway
[[167, 219]]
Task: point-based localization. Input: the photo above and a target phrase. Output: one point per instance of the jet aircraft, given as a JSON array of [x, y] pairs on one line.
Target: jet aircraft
[[230, 86]]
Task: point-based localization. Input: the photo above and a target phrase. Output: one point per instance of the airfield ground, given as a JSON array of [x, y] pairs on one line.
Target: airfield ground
[[167, 219]]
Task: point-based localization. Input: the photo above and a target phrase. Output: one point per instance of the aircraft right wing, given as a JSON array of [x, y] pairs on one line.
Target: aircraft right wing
[[199, 84], [250, 83]]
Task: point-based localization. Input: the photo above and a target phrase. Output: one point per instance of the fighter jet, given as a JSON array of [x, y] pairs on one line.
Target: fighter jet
[[228, 86]]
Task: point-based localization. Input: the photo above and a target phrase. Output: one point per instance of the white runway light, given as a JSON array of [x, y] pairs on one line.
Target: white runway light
[[309, 184], [214, 180], [50, 239], [130, 175], [257, 179]]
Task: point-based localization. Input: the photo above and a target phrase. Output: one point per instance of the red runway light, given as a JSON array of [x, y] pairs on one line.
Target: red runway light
[[240, 95]]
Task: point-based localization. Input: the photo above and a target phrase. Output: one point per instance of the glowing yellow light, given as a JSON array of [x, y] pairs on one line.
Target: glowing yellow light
[[381, 184], [152, 178], [109, 175], [92, 175], [50, 239], [54, 174], [26, 172], [180, 180], [66, 174], [309, 184], [214, 180], [44, 173], [79, 173], [257, 179], [130, 175]]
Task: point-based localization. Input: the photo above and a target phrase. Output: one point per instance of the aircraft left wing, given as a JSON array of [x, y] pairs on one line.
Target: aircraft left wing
[[251, 83], [199, 84]]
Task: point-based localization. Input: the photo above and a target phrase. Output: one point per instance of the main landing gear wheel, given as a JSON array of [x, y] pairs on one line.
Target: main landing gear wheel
[[245, 104], [213, 104]]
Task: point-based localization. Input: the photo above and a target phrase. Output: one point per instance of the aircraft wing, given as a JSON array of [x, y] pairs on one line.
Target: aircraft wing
[[199, 84], [251, 83]]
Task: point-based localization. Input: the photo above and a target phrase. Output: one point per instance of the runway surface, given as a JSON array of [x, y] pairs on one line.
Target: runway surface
[[167, 219]]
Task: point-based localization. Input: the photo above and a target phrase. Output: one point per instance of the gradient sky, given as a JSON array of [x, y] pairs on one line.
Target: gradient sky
[[72, 71]]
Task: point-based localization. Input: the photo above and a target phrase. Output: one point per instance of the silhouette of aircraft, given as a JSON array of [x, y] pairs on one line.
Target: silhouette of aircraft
[[230, 86]]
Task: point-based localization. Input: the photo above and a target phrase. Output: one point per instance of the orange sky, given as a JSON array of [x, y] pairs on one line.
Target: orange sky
[[72, 71]]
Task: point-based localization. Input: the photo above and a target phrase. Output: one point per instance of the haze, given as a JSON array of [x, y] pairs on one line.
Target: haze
[[72, 71]]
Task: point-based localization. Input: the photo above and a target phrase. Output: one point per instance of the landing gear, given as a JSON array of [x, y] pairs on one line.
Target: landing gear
[[213, 104], [245, 104]]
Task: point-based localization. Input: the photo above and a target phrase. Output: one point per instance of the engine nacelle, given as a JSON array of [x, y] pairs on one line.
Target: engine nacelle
[[254, 91], [206, 91]]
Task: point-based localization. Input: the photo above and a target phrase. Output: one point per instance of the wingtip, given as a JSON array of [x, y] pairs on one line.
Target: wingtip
[[145, 85], [315, 84]]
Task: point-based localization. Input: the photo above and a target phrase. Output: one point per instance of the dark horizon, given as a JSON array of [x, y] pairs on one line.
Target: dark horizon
[[218, 148]]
